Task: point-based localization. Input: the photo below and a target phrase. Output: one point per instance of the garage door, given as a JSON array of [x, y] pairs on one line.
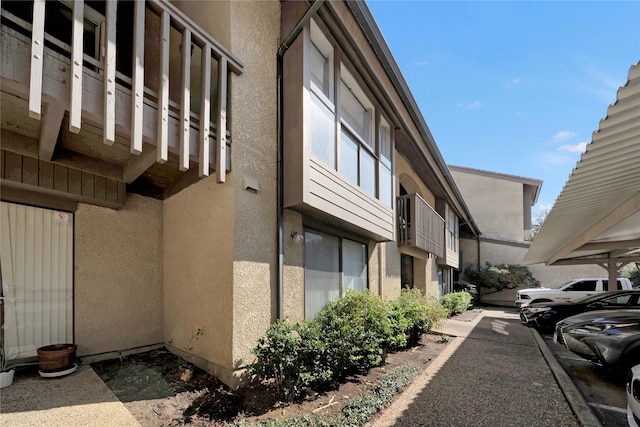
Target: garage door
[[36, 261]]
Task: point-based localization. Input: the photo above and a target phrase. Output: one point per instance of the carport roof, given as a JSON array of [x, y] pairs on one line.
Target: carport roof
[[596, 217]]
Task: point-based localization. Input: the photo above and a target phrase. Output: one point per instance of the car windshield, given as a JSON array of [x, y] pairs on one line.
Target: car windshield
[[597, 297]]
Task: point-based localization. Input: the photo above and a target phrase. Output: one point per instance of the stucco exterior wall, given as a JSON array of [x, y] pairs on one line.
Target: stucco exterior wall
[[255, 35], [391, 283], [496, 204], [293, 274], [220, 239], [118, 276], [198, 270]]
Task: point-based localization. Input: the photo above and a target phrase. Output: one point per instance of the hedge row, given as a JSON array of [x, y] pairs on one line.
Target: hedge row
[[349, 335]]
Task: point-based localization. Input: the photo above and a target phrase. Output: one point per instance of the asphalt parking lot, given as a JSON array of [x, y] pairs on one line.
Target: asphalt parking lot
[[602, 389]]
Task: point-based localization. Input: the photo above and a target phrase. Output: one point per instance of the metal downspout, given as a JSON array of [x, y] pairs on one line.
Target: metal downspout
[[280, 136]]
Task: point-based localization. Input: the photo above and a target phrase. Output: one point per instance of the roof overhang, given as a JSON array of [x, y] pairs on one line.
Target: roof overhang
[[596, 218]]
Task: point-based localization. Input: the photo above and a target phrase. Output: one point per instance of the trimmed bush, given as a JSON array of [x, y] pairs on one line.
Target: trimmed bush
[[356, 329], [289, 354], [456, 302], [349, 335], [412, 315]]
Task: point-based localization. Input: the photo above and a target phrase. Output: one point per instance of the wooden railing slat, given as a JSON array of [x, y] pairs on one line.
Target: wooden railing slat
[[37, 53], [221, 122], [185, 100], [137, 86], [163, 90], [75, 111], [205, 110], [110, 74]]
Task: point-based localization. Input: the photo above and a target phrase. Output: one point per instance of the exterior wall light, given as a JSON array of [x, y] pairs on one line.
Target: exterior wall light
[[297, 237]]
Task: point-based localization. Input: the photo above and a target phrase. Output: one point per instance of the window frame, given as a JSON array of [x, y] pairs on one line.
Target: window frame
[[341, 237], [341, 72]]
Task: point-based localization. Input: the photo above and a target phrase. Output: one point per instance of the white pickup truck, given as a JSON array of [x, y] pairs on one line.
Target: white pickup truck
[[570, 291]]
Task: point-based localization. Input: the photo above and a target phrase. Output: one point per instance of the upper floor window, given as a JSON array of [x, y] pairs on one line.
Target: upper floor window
[[451, 229], [357, 152]]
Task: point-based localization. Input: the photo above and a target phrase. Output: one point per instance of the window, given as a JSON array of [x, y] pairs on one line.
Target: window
[[452, 229], [322, 111], [332, 266], [386, 183], [583, 286], [360, 154]]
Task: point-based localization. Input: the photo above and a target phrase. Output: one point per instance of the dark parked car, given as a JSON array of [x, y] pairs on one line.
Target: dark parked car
[[545, 315], [609, 338]]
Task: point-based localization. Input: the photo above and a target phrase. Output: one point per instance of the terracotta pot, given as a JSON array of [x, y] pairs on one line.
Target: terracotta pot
[[56, 357]]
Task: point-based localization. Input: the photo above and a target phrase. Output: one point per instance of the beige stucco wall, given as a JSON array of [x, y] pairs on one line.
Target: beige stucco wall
[[220, 239], [118, 276], [496, 204], [197, 264], [293, 272], [255, 34]]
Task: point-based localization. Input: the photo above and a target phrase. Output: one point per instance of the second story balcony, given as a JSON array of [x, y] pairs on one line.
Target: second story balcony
[[420, 226], [132, 93]]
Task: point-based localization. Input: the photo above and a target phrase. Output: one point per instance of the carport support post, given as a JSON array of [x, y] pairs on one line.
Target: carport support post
[[613, 275]]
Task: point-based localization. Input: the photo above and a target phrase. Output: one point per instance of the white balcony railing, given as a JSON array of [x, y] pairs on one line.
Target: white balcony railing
[[94, 84]]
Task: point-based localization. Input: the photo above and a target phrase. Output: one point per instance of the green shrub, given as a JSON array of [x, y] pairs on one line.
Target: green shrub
[[290, 354], [456, 302], [501, 276], [412, 315], [355, 329]]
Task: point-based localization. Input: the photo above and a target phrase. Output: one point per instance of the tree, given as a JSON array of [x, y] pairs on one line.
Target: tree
[[537, 224]]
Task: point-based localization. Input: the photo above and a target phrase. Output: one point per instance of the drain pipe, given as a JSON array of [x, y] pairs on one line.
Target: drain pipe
[[280, 141]]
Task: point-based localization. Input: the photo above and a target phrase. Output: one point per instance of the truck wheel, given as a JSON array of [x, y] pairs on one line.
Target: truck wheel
[[541, 300]]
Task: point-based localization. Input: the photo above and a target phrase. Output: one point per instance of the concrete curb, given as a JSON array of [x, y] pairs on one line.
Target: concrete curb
[[575, 399]]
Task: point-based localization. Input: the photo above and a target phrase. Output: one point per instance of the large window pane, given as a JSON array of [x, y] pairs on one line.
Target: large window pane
[[321, 272], [367, 172], [354, 264], [319, 70], [322, 128], [349, 158], [385, 143], [385, 185]]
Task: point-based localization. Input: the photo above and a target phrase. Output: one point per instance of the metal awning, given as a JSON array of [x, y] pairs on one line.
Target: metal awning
[[596, 218]]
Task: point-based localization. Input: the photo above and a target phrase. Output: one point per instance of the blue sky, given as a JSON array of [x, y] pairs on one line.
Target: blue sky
[[514, 87]]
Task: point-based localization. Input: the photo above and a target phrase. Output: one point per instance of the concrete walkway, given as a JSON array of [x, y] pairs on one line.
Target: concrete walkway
[[493, 374], [79, 399]]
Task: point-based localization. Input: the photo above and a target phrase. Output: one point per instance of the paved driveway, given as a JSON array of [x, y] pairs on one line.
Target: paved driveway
[[496, 376]]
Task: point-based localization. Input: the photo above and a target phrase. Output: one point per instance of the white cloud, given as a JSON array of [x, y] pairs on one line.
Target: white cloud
[[421, 63], [563, 135], [575, 148], [513, 82], [475, 104]]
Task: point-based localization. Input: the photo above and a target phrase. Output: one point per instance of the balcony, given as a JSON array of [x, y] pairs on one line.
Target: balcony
[[420, 227], [105, 89]]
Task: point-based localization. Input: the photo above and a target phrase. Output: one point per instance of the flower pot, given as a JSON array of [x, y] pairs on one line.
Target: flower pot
[[57, 357], [6, 378]]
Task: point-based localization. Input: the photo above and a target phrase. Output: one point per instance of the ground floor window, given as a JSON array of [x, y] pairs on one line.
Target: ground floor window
[[332, 266], [445, 280]]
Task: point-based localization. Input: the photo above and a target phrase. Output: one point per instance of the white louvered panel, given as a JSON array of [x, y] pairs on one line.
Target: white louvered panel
[[37, 251]]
